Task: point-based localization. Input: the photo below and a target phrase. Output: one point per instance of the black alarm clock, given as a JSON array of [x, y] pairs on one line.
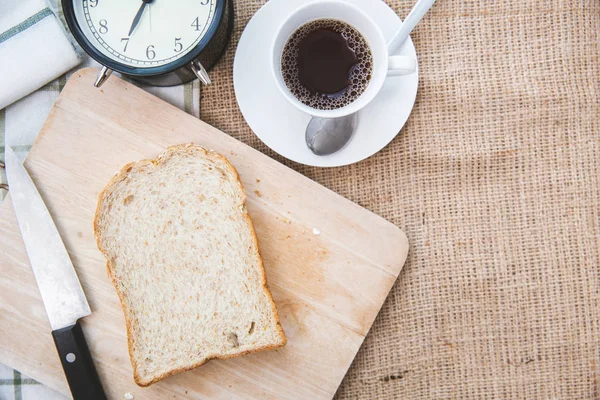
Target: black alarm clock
[[160, 42]]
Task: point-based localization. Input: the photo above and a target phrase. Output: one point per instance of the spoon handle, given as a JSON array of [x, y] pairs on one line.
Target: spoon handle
[[413, 18]]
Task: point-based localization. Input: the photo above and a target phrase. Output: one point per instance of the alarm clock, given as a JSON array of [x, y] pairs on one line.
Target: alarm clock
[[159, 42]]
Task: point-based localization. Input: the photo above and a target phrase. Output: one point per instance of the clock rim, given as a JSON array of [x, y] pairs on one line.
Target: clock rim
[[69, 13]]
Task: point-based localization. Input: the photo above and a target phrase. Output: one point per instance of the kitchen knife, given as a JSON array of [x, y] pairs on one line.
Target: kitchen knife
[[59, 286]]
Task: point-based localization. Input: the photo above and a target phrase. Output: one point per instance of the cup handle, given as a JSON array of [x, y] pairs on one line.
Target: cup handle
[[401, 65]]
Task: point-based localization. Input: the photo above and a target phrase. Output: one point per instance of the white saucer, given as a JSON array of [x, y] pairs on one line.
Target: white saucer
[[281, 126]]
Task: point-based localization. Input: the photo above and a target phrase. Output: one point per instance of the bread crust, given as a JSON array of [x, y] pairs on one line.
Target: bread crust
[[189, 148]]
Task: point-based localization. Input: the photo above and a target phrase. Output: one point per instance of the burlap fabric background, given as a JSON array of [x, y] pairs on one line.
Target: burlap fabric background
[[495, 179]]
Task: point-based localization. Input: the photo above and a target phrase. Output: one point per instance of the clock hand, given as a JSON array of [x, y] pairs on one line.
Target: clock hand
[[138, 16]]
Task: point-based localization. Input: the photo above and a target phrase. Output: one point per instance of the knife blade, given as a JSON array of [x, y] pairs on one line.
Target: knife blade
[[61, 292]]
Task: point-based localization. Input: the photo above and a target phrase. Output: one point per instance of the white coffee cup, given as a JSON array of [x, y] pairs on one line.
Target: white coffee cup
[[384, 65]]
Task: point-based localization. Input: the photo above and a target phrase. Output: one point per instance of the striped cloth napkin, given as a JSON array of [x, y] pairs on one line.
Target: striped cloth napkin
[[21, 121], [33, 48], [14, 386]]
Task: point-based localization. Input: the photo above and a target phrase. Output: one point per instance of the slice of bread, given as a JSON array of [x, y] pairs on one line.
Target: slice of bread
[[183, 256]]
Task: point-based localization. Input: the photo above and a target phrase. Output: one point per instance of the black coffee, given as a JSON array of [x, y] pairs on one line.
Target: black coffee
[[326, 64]]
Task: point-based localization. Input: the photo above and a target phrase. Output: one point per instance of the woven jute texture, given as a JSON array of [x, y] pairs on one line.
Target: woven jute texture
[[496, 180]]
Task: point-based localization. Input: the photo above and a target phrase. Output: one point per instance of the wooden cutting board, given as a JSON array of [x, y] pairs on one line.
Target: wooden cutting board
[[328, 287]]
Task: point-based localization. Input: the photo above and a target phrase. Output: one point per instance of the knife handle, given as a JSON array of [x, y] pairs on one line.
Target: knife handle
[[77, 363]]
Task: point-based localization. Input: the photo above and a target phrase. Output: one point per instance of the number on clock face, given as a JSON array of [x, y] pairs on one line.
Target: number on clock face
[[163, 30]]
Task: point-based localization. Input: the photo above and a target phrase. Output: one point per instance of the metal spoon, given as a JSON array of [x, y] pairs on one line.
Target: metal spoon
[[325, 136]]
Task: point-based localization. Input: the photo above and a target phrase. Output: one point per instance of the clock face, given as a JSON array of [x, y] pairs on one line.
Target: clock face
[[144, 34]]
